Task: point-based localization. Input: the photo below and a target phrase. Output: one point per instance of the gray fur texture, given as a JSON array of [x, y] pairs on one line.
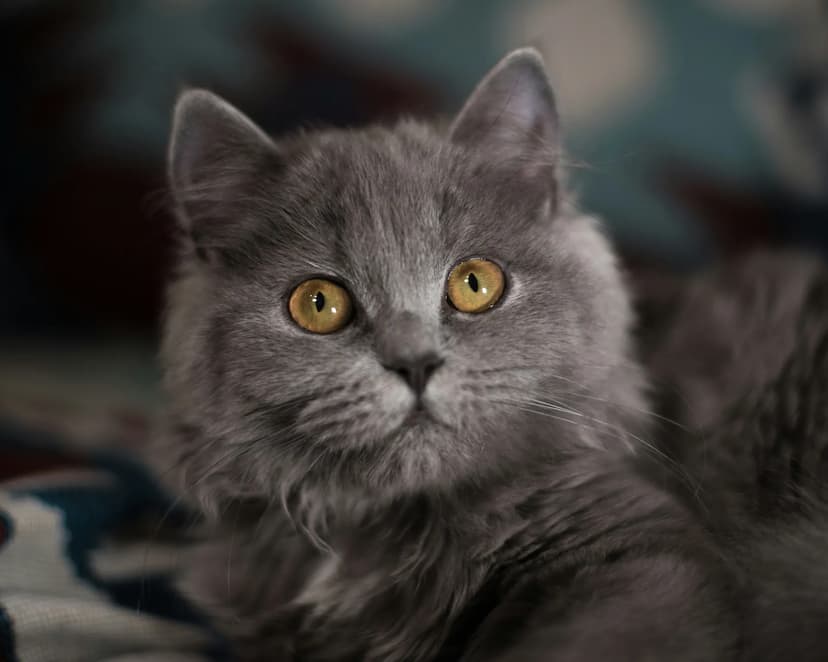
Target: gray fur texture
[[744, 356], [501, 516]]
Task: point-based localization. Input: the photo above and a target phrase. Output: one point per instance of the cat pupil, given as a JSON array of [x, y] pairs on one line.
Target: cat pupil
[[319, 301], [472, 280]]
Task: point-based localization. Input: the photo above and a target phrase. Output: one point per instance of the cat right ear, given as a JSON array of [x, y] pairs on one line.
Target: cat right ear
[[214, 151], [511, 116]]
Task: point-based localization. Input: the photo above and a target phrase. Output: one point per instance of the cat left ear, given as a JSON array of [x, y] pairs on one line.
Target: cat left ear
[[214, 149], [511, 115]]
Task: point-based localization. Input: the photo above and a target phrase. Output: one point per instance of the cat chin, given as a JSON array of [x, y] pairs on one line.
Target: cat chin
[[418, 459]]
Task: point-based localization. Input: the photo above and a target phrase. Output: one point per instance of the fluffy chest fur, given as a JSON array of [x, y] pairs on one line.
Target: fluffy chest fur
[[419, 579]]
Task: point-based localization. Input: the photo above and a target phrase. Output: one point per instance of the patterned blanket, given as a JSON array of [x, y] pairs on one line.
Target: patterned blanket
[[88, 550]]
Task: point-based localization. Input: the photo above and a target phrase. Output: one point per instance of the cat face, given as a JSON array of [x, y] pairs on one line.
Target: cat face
[[383, 311]]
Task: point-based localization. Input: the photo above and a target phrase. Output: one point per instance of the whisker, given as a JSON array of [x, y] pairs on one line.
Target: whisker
[[533, 410], [542, 407], [501, 368], [555, 406], [675, 467], [640, 410]]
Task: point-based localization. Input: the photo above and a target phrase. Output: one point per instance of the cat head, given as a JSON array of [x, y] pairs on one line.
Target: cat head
[[368, 313]]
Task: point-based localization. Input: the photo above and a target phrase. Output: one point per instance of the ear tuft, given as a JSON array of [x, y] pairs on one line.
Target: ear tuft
[[511, 114]]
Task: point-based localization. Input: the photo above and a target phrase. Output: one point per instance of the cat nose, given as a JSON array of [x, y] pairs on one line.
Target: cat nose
[[409, 345], [416, 371]]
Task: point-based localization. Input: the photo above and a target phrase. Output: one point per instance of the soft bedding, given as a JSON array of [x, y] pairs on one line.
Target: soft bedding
[[88, 545]]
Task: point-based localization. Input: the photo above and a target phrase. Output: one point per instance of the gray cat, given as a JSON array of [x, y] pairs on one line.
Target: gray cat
[[402, 388]]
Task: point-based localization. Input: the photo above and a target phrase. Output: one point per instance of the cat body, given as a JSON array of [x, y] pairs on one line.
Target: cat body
[[746, 351], [583, 563], [409, 474]]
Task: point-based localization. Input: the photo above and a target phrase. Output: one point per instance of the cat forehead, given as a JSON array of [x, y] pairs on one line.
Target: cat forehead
[[373, 164], [389, 212], [399, 185], [374, 195], [376, 223]]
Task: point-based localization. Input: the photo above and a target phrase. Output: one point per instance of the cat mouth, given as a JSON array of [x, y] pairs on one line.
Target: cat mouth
[[420, 415], [417, 415]]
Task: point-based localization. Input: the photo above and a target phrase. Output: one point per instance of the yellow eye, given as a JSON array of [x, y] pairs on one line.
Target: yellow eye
[[475, 285], [320, 306]]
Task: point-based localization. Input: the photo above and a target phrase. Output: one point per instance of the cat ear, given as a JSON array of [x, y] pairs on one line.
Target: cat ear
[[511, 115], [214, 150]]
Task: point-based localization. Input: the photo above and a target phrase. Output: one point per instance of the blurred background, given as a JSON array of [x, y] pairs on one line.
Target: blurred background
[[697, 128]]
